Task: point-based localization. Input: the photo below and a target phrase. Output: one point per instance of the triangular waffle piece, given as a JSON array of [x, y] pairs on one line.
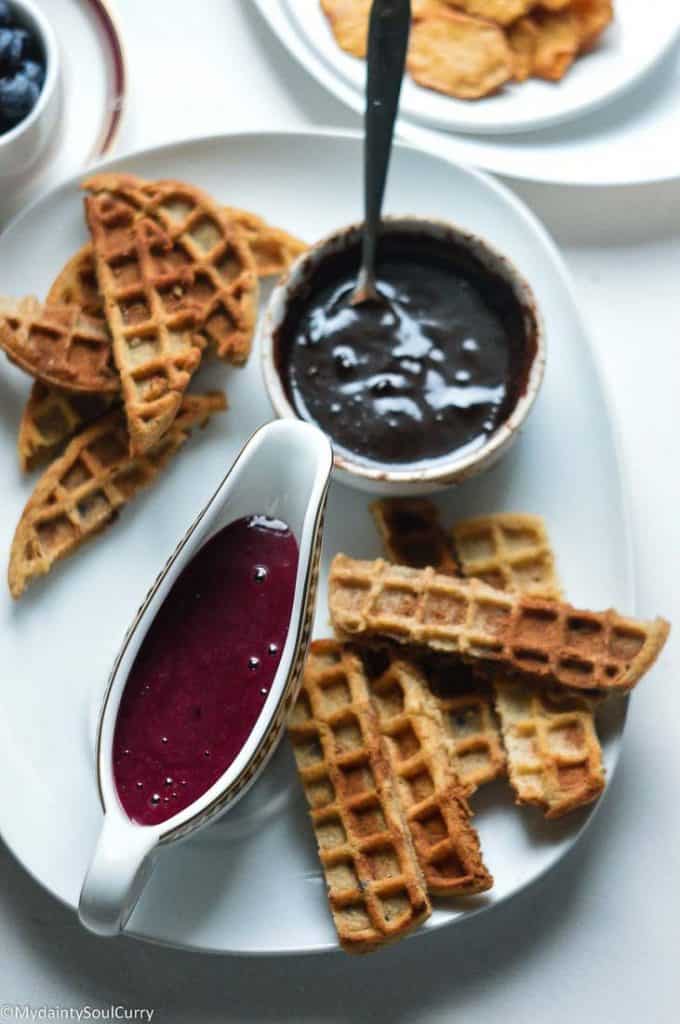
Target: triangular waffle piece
[[412, 534], [554, 755], [209, 258], [273, 249], [50, 418], [76, 283], [80, 493], [546, 641], [58, 344]]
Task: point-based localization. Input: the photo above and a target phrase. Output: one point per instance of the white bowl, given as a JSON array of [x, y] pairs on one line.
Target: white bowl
[[388, 478], [22, 145], [284, 471]]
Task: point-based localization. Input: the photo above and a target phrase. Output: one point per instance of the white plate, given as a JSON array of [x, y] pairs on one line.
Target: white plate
[[252, 883], [630, 140], [629, 48]]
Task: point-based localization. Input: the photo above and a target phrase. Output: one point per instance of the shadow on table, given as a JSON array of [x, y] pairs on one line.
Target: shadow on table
[[446, 971]]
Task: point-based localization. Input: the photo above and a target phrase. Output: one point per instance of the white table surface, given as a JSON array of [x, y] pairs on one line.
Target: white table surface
[[595, 941]]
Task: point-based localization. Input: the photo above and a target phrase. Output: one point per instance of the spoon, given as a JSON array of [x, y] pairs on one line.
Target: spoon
[[387, 43]]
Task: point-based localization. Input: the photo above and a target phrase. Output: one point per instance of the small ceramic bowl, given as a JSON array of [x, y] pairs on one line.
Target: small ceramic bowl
[[284, 472], [22, 145], [444, 472]]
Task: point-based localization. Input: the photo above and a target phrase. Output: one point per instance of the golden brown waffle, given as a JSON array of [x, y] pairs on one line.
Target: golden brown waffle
[[51, 417], [376, 889], [554, 755], [547, 641], [273, 249], [76, 283], [81, 492], [412, 534], [509, 552], [174, 271], [58, 344]]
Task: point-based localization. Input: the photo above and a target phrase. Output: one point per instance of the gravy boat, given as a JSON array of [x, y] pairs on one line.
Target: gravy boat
[[284, 472]]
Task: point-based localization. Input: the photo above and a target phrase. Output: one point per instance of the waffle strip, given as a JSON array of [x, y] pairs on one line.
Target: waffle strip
[[546, 641], [58, 344], [375, 886], [554, 755], [412, 535], [273, 249], [82, 491]]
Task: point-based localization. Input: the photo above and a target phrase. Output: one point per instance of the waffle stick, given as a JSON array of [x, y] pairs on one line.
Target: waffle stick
[[413, 535], [58, 344], [375, 886], [82, 491], [554, 755], [273, 249], [544, 641]]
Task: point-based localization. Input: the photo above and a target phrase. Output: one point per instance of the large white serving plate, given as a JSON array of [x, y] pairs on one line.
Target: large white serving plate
[[252, 883], [627, 136], [629, 48]]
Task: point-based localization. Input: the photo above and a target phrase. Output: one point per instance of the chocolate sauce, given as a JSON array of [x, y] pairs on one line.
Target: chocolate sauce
[[433, 371]]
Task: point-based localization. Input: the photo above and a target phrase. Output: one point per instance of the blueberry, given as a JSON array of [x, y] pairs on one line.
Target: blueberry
[[5, 13], [18, 96], [14, 46], [34, 72]]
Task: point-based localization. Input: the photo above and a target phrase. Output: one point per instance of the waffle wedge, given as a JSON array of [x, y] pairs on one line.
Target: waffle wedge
[[273, 249], [81, 492], [376, 890], [554, 755], [50, 418], [412, 535], [174, 272], [549, 642], [58, 344]]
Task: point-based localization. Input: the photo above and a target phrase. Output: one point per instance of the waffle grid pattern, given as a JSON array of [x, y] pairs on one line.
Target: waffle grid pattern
[[58, 344], [50, 417], [81, 492], [375, 887], [509, 552], [548, 641]]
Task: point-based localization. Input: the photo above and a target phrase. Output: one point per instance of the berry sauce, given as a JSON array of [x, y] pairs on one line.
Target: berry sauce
[[205, 667]]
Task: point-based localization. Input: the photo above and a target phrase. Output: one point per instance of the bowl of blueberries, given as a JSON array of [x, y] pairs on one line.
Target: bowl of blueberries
[[29, 85]]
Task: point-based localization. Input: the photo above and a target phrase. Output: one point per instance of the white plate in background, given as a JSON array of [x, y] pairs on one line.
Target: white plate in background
[[639, 37], [252, 883]]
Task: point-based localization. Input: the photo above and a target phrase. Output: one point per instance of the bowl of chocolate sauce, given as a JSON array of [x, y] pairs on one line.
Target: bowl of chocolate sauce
[[420, 390]]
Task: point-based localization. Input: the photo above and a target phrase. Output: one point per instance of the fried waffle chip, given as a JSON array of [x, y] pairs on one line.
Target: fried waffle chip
[[50, 418], [376, 889], [546, 641], [273, 249], [174, 271], [348, 20], [81, 492], [58, 344], [503, 12], [593, 18], [553, 753], [412, 535], [523, 39], [558, 42], [458, 55]]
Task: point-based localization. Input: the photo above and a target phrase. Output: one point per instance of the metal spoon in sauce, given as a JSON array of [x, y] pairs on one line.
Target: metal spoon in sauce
[[387, 43]]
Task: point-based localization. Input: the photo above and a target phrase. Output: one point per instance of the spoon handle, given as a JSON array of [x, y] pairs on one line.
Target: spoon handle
[[387, 44]]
